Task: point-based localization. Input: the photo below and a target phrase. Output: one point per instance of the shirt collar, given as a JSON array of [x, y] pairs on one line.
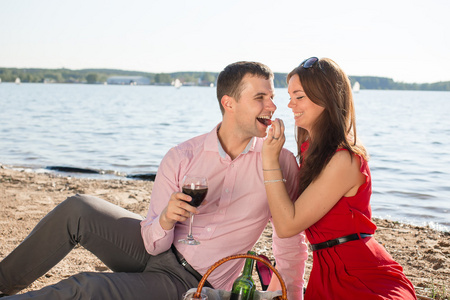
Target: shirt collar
[[212, 143]]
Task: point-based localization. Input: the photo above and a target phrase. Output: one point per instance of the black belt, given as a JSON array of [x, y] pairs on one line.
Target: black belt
[[188, 267], [338, 241]]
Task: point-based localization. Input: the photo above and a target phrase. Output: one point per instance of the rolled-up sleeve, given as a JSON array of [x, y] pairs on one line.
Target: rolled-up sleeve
[[156, 239], [291, 253]]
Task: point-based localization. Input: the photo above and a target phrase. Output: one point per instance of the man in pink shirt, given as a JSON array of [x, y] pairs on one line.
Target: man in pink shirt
[[236, 210], [155, 266]]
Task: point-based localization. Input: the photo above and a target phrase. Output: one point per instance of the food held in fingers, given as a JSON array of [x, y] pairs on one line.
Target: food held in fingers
[[265, 120]]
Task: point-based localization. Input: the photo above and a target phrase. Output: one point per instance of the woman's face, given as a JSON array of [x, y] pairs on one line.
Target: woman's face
[[305, 111]]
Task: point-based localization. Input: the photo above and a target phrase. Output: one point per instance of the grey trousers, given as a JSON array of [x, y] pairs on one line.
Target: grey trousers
[[111, 233]]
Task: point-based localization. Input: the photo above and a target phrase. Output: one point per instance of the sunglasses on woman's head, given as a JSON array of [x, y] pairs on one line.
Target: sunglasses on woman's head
[[309, 62]]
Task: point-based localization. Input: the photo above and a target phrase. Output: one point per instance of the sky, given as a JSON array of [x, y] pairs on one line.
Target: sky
[[406, 40]]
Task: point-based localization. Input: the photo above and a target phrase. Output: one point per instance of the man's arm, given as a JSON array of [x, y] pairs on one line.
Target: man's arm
[[167, 206], [290, 253]]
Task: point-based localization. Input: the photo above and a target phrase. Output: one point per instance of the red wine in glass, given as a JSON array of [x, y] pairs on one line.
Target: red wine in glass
[[198, 194], [197, 188]]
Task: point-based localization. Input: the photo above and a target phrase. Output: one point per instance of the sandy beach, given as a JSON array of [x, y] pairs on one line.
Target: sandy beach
[[25, 197]]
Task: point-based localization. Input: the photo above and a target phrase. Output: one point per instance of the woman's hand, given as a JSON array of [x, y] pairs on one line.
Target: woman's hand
[[273, 144]]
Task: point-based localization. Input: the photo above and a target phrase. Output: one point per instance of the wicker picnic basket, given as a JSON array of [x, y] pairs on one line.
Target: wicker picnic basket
[[254, 257]]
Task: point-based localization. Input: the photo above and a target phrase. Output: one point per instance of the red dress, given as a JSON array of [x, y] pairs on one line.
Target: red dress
[[360, 269]]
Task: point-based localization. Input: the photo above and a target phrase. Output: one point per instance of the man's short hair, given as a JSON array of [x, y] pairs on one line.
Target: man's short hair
[[229, 81]]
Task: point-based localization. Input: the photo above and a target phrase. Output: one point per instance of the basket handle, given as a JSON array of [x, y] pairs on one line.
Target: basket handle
[[254, 257]]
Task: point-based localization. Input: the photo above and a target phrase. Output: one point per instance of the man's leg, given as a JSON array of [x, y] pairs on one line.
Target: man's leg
[[163, 278], [107, 230]]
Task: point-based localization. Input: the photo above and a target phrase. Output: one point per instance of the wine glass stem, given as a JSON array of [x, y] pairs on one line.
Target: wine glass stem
[[190, 227]]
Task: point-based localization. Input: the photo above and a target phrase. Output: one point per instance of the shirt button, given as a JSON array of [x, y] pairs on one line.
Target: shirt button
[[232, 165], [208, 229], [226, 190]]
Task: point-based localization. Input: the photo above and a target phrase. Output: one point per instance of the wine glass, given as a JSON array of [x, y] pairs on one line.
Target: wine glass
[[197, 188]]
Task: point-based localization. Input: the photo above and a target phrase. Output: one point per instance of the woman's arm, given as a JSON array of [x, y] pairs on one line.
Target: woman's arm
[[340, 177]]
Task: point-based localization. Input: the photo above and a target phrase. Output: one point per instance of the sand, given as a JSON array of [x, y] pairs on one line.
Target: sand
[[25, 197]]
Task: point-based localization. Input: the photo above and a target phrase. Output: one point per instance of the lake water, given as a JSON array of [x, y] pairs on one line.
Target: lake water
[[128, 129]]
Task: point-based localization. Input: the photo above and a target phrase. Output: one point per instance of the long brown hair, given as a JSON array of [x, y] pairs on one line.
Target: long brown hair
[[326, 84]]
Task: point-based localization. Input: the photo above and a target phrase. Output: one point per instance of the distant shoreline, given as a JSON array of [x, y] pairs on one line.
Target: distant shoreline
[[187, 78]]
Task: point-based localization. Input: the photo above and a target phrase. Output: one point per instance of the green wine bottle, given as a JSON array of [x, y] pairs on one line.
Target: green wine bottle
[[244, 286]]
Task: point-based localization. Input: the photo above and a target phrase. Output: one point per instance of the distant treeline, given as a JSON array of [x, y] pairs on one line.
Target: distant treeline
[[188, 78], [383, 83]]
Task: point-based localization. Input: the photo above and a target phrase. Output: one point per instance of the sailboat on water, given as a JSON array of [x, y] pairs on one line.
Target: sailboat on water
[[356, 87], [177, 83], [17, 80]]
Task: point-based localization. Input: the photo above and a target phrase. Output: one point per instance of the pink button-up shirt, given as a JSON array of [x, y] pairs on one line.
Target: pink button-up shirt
[[233, 214]]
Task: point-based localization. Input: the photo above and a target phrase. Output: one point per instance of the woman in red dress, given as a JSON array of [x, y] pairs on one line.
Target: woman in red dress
[[335, 188]]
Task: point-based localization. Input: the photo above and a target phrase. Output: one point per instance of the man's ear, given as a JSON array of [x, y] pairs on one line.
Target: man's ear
[[227, 102]]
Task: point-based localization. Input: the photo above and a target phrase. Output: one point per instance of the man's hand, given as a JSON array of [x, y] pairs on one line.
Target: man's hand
[[177, 210]]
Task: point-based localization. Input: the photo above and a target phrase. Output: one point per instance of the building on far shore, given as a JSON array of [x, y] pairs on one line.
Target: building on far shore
[[128, 80]]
